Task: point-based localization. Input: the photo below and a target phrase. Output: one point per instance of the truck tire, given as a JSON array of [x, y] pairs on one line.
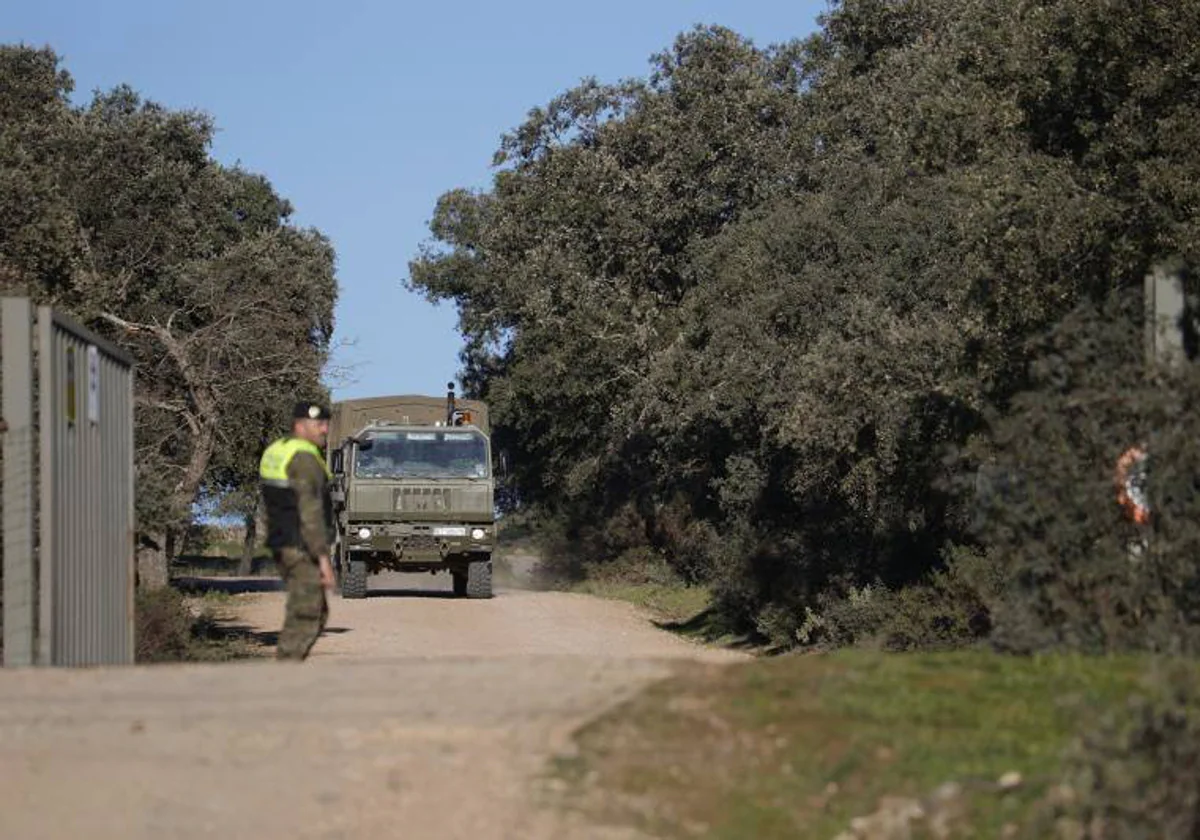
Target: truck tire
[[460, 583], [479, 579], [354, 578]]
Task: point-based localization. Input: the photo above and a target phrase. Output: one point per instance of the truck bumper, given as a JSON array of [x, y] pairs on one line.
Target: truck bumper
[[421, 544]]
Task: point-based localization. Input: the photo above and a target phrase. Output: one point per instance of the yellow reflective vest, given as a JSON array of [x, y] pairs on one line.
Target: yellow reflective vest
[[282, 498]]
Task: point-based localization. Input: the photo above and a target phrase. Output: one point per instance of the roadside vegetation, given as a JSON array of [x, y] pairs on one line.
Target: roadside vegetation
[[849, 329], [174, 626], [871, 745], [648, 582], [640, 576], [848, 332], [194, 619]]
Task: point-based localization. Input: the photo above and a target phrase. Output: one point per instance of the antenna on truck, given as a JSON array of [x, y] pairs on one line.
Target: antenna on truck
[[454, 417]]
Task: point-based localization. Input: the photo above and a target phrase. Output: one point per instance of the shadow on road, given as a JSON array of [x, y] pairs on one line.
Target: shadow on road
[[705, 626], [228, 585], [409, 593], [200, 585], [265, 638]]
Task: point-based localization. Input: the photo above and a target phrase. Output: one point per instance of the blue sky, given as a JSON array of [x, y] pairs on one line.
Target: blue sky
[[363, 113]]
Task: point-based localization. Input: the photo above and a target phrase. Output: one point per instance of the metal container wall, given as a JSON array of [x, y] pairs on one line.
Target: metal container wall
[[18, 482], [86, 522]]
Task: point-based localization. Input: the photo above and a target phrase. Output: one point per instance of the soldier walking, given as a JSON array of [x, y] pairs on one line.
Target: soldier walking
[[299, 526]]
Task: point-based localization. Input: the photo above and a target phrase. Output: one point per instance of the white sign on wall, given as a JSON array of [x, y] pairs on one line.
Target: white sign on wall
[[93, 384]]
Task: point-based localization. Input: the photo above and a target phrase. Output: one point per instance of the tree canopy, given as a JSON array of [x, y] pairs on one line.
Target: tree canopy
[[116, 213], [762, 310]]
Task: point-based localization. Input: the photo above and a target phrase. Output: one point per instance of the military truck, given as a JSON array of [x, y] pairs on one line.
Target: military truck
[[413, 490]]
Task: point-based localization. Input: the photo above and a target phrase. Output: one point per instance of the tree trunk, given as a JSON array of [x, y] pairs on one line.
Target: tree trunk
[[152, 562], [188, 488], [193, 475], [249, 541]]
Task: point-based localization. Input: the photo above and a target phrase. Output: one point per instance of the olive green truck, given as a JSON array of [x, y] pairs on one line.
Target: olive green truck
[[413, 490]]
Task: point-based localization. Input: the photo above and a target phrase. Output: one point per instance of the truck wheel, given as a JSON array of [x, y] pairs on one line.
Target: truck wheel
[[479, 579], [338, 557], [460, 583], [354, 579]]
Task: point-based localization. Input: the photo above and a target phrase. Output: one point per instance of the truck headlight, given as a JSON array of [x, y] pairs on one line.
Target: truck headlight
[[477, 534], [364, 533]]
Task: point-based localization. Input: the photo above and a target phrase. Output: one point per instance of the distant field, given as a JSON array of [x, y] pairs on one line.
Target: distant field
[[219, 557]]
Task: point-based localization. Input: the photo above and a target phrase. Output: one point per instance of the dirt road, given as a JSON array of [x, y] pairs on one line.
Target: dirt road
[[417, 716]]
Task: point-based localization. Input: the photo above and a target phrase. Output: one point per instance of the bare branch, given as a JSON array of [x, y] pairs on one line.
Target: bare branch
[[174, 407]]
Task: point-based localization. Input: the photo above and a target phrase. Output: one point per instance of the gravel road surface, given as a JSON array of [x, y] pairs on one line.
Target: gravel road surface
[[418, 715]]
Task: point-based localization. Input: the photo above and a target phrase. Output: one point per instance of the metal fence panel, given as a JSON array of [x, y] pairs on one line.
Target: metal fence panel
[[87, 527], [16, 407], [68, 515]]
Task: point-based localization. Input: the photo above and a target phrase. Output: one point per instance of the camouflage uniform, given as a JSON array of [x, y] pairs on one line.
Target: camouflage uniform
[[296, 494]]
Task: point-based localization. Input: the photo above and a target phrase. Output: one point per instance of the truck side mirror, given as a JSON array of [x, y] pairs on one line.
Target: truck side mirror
[[336, 462]]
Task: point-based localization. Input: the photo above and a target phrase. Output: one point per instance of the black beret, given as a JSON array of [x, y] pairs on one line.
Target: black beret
[[310, 411]]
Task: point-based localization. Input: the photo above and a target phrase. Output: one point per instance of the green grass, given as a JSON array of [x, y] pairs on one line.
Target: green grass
[[798, 746]]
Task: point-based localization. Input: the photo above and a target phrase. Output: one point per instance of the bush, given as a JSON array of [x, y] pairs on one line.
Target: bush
[[634, 567], [168, 631], [948, 610], [1077, 573], [1137, 775], [163, 625], [616, 549]]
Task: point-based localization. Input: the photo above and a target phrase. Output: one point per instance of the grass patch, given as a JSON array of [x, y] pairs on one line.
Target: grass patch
[[799, 746]]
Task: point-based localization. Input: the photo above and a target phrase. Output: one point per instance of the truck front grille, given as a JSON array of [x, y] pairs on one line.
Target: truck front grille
[[418, 499]]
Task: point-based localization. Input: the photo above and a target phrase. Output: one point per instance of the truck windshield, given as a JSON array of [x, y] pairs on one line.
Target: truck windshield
[[432, 454]]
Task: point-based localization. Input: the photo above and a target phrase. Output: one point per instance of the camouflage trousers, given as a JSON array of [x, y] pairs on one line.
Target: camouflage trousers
[[307, 610]]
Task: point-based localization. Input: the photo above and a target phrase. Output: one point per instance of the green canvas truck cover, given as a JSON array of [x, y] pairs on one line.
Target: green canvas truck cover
[[351, 416]]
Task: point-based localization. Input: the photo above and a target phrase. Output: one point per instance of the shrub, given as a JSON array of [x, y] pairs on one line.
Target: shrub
[[168, 631], [947, 610], [635, 567], [1077, 574], [163, 626], [1137, 774]]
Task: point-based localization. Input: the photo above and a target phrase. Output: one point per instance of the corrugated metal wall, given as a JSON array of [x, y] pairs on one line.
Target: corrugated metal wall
[[86, 423], [19, 477], [68, 493]]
